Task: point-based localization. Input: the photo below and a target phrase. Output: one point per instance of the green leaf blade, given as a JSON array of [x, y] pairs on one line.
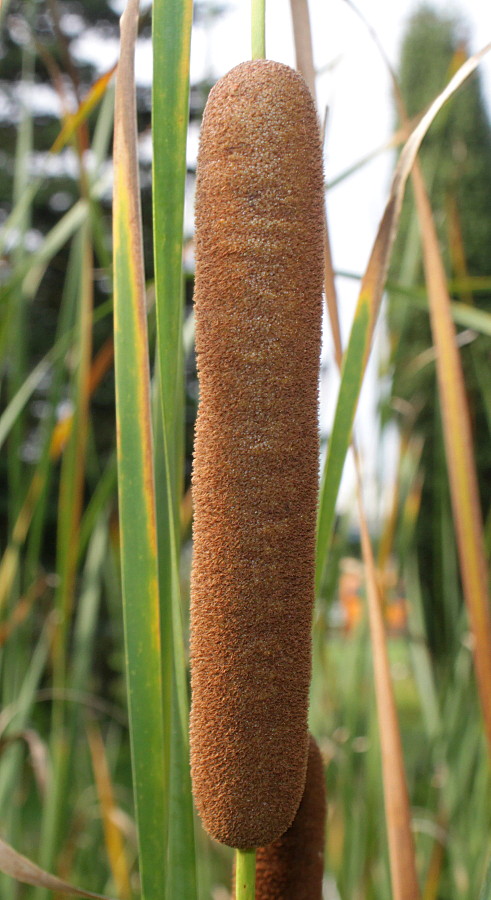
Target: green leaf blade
[[141, 608]]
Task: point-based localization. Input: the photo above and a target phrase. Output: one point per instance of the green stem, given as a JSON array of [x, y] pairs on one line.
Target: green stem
[[258, 23], [245, 874]]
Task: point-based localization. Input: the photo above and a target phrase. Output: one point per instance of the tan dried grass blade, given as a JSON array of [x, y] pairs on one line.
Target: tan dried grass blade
[[457, 249], [112, 833], [305, 64], [22, 869], [459, 452], [10, 559], [396, 799], [75, 120], [302, 34]]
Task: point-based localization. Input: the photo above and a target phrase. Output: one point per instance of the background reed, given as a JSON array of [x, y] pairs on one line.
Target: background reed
[[61, 638]]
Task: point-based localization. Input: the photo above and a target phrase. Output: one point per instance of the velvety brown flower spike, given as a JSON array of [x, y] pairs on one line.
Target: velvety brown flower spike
[[259, 270]]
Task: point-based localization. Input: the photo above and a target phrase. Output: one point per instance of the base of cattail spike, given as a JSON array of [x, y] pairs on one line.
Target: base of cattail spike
[[245, 875], [292, 867]]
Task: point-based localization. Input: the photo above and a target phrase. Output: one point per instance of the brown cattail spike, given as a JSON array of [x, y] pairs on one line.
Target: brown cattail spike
[[292, 867], [259, 221]]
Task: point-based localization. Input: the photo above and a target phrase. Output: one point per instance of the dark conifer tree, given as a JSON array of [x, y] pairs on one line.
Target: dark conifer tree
[[456, 161]]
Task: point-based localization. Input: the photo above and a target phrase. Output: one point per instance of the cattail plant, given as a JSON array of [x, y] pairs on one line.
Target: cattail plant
[[259, 271]]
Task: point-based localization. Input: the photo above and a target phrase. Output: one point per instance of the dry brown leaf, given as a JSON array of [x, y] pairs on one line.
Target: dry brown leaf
[[112, 833], [305, 64], [22, 869], [459, 451], [396, 798]]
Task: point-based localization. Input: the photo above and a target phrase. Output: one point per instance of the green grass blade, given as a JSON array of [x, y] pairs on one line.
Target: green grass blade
[[104, 127], [182, 852], [420, 657], [18, 315], [486, 887], [32, 381], [25, 391], [181, 882], [351, 381], [462, 313], [181, 847], [136, 485], [16, 715], [170, 103], [29, 274], [85, 626], [164, 518], [32, 273], [19, 211], [102, 493], [73, 462]]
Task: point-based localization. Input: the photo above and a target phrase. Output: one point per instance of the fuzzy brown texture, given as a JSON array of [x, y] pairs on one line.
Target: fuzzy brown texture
[[292, 867], [259, 270]]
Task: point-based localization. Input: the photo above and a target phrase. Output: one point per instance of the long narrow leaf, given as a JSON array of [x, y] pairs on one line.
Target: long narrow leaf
[[35, 377], [459, 452], [136, 485], [73, 466], [22, 869], [172, 21], [112, 833], [302, 33], [75, 120], [170, 103], [396, 798]]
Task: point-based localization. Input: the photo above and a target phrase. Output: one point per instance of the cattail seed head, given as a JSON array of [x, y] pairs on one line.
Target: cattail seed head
[[259, 231]]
